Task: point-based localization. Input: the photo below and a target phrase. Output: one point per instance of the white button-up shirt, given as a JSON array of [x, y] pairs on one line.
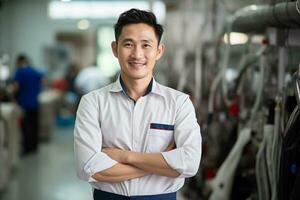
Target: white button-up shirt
[[109, 118]]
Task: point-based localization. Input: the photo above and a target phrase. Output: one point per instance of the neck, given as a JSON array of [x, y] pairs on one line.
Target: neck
[[136, 87]]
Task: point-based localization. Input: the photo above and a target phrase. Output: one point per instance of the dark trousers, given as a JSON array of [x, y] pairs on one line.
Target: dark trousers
[[100, 195], [29, 126]]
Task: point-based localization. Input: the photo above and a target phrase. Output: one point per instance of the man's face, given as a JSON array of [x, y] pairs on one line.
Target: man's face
[[137, 50]]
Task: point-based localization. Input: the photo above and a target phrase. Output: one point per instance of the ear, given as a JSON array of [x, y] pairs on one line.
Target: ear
[[160, 51], [114, 47]]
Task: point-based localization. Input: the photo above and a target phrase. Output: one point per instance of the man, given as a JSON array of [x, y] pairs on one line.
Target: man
[[125, 133], [27, 83]]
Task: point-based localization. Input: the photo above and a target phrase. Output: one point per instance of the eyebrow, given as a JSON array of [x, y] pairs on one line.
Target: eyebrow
[[148, 40], [127, 40], [131, 40]]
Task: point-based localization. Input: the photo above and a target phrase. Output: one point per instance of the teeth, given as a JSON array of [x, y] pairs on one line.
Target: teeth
[[136, 64]]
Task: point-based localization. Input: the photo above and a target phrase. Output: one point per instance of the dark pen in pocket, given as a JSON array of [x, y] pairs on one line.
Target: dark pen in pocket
[[158, 126]]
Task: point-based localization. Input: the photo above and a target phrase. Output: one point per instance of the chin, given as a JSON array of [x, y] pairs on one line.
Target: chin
[[138, 76]]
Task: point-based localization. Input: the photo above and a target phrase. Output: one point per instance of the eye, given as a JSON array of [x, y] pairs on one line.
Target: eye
[[128, 45], [146, 45]]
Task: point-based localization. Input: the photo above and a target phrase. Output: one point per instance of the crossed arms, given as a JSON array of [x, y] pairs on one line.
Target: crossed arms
[[94, 163], [134, 165]]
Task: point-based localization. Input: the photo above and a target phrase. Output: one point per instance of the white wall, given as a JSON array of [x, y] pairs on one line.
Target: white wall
[[26, 28], [4, 29]]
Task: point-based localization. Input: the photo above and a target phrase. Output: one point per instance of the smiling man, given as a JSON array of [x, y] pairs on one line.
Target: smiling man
[[136, 139]]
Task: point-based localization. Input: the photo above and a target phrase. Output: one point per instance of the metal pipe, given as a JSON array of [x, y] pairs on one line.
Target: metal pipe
[[257, 18], [297, 86], [277, 139]]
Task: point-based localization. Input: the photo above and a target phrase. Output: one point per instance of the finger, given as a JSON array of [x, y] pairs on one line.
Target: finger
[[171, 146], [104, 150]]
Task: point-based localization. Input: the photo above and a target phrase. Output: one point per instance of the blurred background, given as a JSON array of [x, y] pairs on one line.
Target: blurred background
[[238, 60]]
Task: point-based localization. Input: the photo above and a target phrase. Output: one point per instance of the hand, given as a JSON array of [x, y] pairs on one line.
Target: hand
[[171, 146], [116, 154]]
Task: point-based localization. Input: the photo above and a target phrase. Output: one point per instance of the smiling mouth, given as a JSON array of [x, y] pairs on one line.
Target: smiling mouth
[[137, 64]]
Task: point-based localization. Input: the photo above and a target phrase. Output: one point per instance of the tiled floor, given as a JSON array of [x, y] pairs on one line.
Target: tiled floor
[[50, 174]]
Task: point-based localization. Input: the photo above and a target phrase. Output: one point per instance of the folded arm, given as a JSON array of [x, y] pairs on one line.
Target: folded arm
[[149, 162], [92, 165], [118, 173], [181, 161]]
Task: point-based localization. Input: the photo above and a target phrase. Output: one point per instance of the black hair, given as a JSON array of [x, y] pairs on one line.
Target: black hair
[[135, 16], [22, 59]]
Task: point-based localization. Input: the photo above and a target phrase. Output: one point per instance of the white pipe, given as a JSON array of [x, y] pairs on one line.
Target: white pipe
[[297, 86], [198, 60], [222, 183], [221, 74], [198, 75], [262, 170], [225, 64], [257, 18], [276, 146], [263, 63]]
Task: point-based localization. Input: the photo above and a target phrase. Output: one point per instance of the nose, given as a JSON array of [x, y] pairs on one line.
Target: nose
[[137, 52]]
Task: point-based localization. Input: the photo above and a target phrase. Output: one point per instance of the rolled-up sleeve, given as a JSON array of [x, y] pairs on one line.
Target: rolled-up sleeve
[[88, 140], [186, 157]]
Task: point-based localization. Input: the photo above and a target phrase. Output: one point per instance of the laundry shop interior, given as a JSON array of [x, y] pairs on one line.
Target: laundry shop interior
[[239, 62]]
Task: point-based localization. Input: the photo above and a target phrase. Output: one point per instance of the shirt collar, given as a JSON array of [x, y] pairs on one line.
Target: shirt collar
[[153, 87], [116, 86]]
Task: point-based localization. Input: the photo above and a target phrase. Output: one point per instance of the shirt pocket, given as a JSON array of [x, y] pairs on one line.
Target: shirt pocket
[[159, 137]]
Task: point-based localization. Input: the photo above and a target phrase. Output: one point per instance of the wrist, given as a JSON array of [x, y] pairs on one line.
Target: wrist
[[126, 157], [129, 157]]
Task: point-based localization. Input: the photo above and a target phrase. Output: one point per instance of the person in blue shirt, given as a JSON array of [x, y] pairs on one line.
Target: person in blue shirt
[[27, 84]]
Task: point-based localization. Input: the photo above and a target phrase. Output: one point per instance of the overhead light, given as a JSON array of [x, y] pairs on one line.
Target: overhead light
[[253, 7], [65, 0], [258, 39], [83, 24], [101, 9], [236, 38]]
